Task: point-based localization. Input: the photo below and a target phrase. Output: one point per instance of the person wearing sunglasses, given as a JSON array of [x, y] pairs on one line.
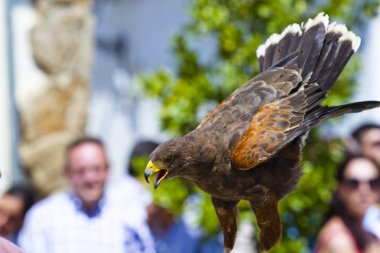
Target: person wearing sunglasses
[[367, 139], [358, 187]]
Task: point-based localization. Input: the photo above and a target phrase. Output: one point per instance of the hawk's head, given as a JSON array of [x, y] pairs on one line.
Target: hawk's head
[[167, 160]]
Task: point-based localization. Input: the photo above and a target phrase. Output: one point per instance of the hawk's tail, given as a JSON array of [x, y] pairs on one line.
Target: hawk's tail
[[317, 50], [323, 113], [326, 112]]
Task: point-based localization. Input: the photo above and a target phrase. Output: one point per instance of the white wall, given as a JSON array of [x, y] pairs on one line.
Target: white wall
[[28, 78], [119, 112], [5, 124], [369, 78]]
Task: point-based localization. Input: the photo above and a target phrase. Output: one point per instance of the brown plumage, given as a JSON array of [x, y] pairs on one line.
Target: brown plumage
[[249, 146]]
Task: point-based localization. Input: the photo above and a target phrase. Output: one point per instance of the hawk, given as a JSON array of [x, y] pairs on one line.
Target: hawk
[[249, 146]]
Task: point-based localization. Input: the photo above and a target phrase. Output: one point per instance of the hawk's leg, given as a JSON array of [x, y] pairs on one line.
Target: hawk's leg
[[227, 213], [268, 219]]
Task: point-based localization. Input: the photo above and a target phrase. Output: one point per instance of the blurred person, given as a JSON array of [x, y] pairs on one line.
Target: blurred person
[[13, 206], [358, 179], [129, 193], [171, 234], [130, 188], [139, 155], [83, 219], [367, 140]]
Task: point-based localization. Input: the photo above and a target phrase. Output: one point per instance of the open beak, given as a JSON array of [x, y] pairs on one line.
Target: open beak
[[151, 169]]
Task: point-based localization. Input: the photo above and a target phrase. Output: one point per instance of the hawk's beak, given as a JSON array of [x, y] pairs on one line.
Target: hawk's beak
[[151, 168]]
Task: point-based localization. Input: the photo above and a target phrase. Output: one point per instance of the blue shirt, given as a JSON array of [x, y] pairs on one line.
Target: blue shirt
[[59, 224], [178, 239]]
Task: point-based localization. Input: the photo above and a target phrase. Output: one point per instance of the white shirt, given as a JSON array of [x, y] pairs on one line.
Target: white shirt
[[371, 220], [58, 224]]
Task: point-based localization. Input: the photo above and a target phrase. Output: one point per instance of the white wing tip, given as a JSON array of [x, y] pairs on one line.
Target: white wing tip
[[320, 18], [350, 36], [345, 35], [337, 28], [293, 28], [275, 38], [272, 40], [261, 50]]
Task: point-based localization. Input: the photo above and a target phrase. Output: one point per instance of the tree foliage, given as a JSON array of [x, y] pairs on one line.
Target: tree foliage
[[233, 29]]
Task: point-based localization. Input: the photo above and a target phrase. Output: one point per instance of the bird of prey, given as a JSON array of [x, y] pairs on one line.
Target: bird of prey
[[249, 146]]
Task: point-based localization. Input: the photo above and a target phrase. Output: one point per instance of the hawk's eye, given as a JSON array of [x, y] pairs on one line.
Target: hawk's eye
[[165, 160]]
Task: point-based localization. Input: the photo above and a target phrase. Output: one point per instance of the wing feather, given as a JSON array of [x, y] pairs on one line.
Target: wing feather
[[270, 85], [269, 130]]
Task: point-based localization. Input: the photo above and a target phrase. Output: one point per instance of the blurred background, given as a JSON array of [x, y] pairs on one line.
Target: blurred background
[[132, 70]]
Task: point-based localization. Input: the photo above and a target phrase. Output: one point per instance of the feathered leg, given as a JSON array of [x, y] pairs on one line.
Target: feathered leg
[[268, 220], [227, 214]]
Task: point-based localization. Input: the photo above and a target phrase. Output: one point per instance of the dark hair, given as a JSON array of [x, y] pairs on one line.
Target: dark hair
[[142, 148], [338, 207], [358, 133], [23, 192]]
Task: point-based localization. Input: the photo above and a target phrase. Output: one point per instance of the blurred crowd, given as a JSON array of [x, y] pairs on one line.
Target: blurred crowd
[[352, 223], [92, 217]]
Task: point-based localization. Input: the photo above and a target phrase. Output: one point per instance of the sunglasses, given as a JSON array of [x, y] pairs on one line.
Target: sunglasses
[[375, 144], [353, 184]]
